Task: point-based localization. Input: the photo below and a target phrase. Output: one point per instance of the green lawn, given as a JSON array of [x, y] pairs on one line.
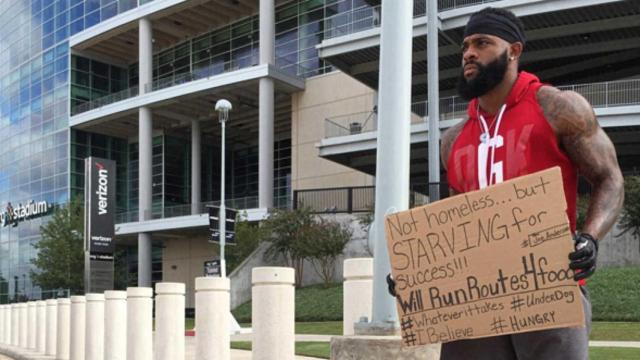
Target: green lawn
[[313, 303], [615, 331], [615, 294]]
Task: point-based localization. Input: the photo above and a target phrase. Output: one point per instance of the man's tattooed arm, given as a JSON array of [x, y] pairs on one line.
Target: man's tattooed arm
[[591, 150]]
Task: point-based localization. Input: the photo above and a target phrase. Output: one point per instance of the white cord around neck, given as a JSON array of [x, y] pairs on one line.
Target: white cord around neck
[[485, 137]]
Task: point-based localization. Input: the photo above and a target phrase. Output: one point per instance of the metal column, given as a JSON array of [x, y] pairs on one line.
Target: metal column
[[266, 106], [434, 100], [393, 146]]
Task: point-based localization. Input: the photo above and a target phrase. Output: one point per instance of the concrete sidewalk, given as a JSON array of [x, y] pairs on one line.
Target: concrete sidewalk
[[190, 345], [12, 353], [299, 337], [625, 344]]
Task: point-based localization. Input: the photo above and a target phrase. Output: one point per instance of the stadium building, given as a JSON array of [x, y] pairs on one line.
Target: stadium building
[[136, 81]]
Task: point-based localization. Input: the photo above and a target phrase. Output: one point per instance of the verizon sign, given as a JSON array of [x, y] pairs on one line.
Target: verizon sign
[[99, 192]]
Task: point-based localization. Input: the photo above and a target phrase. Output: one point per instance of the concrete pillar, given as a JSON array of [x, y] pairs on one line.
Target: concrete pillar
[[267, 31], [273, 313], [266, 106], [31, 325], [145, 136], [169, 341], [63, 340], [212, 318], [357, 292], [393, 144], [94, 327], [41, 332], [77, 328], [265, 155], [145, 55], [15, 325], [145, 193], [52, 327], [139, 323], [196, 167], [115, 321]]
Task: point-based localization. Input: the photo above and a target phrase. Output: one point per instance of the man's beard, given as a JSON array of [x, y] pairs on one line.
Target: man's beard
[[487, 77]]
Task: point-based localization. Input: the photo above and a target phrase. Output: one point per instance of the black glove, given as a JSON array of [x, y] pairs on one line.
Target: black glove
[[584, 258], [392, 285]]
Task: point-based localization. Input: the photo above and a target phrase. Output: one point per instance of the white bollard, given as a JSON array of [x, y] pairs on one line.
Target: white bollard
[[22, 341], [15, 322], [77, 328], [3, 328], [139, 323], [7, 325], [63, 322], [273, 313], [2, 319], [41, 332], [212, 318], [169, 340], [94, 327], [31, 325], [357, 295], [52, 327], [115, 323]]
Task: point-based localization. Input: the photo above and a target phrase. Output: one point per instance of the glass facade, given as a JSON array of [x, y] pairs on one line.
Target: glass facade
[[40, 82], [34, 114]]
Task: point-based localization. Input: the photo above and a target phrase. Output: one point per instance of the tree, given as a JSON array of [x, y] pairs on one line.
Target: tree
[[247, 239], [331, 239], [630, 220], [288, 233], [60, 254]]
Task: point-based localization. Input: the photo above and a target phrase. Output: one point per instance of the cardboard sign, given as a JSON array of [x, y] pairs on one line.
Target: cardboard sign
[[485, 263]]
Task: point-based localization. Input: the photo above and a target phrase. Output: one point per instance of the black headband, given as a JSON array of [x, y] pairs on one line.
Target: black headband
[[494, 24]]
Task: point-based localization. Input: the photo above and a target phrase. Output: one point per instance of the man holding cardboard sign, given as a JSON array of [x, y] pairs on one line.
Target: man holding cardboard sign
[[501, 260]]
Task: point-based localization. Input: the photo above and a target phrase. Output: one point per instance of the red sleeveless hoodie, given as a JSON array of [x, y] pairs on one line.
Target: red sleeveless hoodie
[[525, 143]]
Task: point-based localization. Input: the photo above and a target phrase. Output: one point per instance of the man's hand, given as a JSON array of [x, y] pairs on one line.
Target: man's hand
[[392, 285], [583, 260]]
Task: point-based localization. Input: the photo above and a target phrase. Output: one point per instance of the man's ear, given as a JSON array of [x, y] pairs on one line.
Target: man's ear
[[515, 50]]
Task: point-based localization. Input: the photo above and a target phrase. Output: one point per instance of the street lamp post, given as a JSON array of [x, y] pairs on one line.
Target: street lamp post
[[222, 107]]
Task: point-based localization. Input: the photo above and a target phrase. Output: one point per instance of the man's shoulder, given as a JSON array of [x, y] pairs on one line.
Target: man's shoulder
[[448, 138], [568, 112], [451, 134]]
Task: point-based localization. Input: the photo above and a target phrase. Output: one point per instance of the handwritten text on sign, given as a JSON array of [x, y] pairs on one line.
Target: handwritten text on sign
[[485, 263]]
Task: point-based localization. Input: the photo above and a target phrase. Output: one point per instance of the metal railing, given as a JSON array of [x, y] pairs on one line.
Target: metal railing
[[250, 202], [204, 72], [105, 100], [355, 199], [610, 93], [603, 94], [286, 66], [368, 17]]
